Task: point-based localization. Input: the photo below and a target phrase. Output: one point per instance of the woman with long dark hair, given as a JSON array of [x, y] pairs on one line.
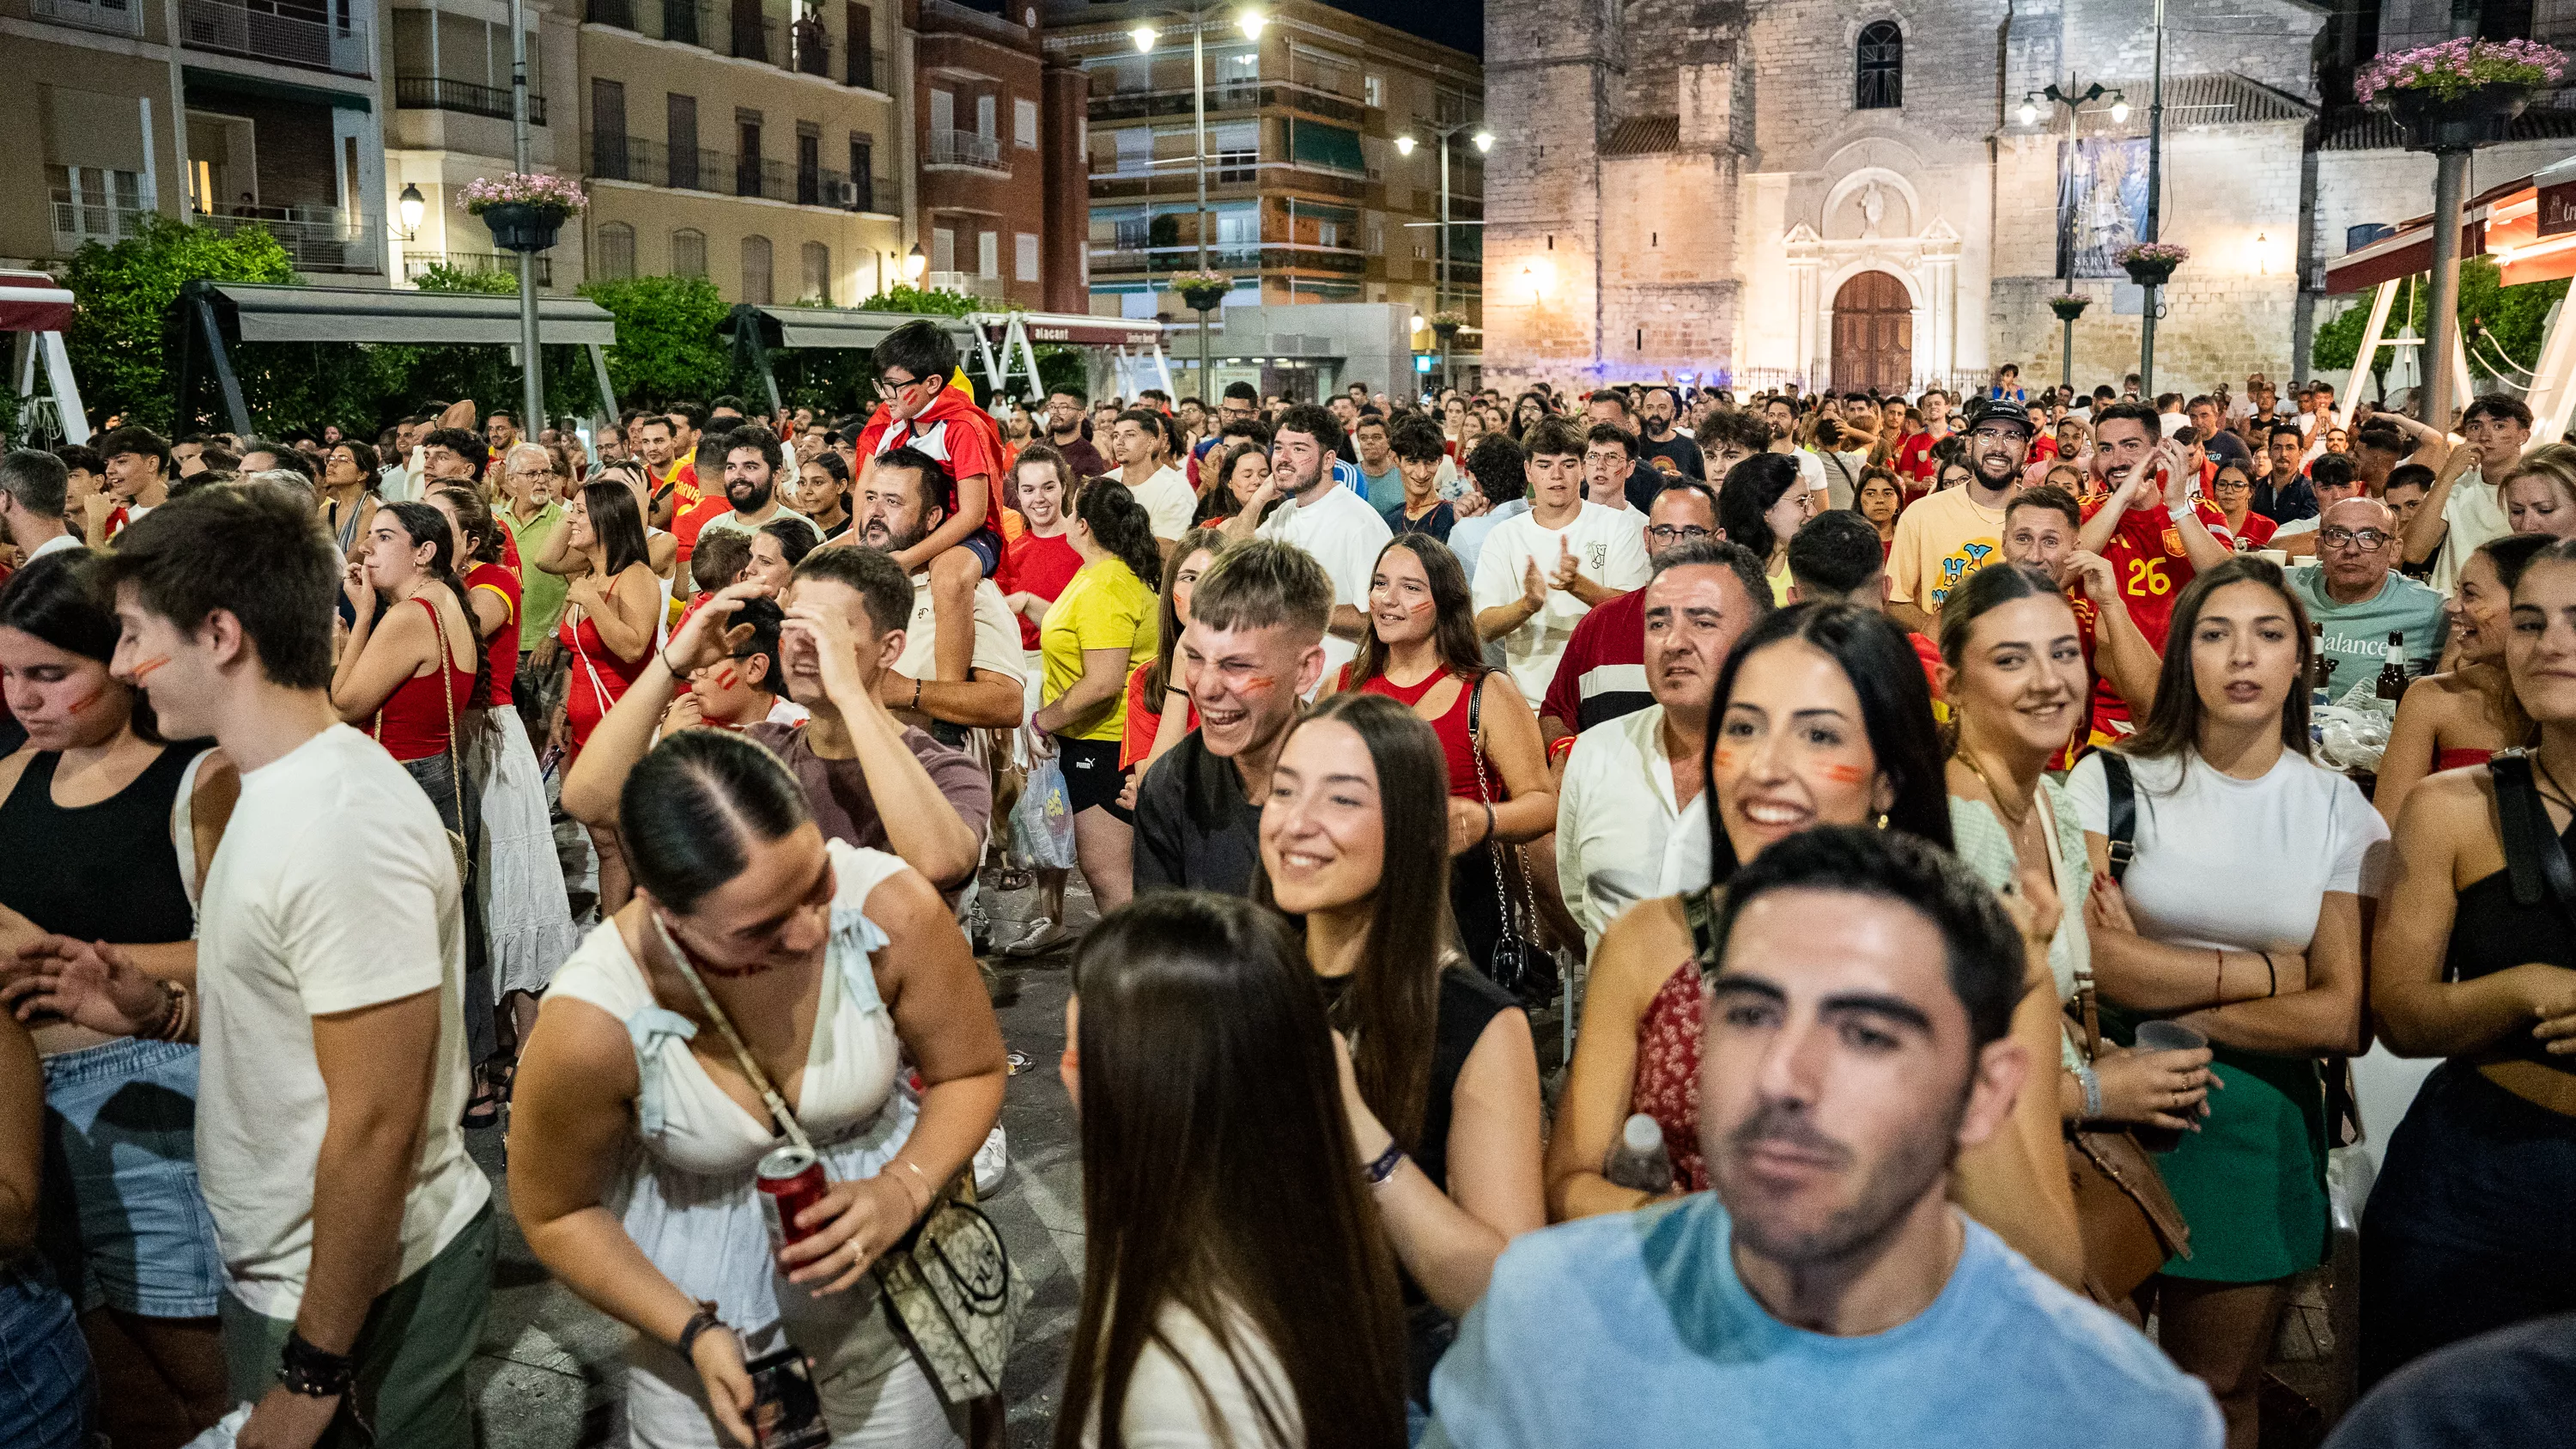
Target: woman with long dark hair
[[2459, 718], [1236, 1289], [1105, 618], [1159, 712], [349, 498], [2238, 916], [108, 830], [639, 1128], [612, 614], [1444, 1092], [1762, 504], [2476, 964], [1234, 485], [1419, 648], [1821, 717]]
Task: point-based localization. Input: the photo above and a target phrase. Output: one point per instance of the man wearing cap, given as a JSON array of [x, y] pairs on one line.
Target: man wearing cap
[[1949, 535]]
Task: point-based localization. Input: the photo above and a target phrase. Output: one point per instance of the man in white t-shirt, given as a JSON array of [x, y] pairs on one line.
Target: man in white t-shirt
[[357, 1235], [900, 505], [1136, 441], [1538, 574], [1333, 523], [2466, 506]]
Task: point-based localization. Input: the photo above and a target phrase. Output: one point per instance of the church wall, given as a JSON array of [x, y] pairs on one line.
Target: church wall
[[1546, 99], [1668, 294], [2264, 40]]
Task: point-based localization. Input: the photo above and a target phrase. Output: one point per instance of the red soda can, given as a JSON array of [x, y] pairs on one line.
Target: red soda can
[[791, 1180]]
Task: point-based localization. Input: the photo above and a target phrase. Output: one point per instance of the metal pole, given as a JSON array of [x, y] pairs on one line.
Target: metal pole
[[1441, 287], [1198, 102], [2065, 247], [532, 363], [2155, 208], [2450, 192]]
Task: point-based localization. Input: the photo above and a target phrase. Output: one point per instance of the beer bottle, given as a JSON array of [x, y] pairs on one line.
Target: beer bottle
[[2392, 674]]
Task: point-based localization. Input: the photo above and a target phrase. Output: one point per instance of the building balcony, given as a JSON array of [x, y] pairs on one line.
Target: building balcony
[[721, 173], [969, 284], [109, 17], [966, 149], [1129, 184], [417, 264], [868, 70], [1236, 95], [318, 238], [436, 93], [265, 32], [1239, 259], [80, 219]]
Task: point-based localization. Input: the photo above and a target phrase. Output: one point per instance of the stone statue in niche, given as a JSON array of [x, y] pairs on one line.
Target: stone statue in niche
[[1873, 209]]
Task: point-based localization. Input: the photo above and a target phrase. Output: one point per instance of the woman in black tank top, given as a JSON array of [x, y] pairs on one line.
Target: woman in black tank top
[[1443, 1091], [2472, 1223], [87, 811]]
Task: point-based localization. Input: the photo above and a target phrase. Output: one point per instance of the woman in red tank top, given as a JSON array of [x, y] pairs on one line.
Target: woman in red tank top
[[607, 632], [390, 680], [1420, 649], [2458, 718]]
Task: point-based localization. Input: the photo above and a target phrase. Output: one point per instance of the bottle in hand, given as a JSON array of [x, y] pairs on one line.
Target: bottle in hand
[[1638, 1160]]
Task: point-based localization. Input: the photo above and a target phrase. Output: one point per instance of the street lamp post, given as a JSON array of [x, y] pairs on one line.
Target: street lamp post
[[2074, 101], [1404, 144], [532, 366], [2155, 210], [1250, 22]]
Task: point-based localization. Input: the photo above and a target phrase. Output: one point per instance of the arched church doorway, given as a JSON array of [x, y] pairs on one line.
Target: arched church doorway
[[1873, 334]]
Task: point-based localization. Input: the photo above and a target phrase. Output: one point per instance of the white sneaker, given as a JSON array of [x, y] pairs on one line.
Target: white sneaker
[[1043, 936], [991, 1161]]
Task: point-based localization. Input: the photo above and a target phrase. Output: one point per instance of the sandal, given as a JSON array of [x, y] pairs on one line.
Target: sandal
[[492, 1084]]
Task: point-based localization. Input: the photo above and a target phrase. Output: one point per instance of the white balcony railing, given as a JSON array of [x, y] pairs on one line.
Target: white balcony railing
[[968, 283], [237, 28], [965, 148], [319, 238], [113, 17]]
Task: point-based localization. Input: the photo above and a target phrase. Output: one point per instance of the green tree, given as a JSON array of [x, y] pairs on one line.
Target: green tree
[[2501, 327], [127, 293], [667, 346]]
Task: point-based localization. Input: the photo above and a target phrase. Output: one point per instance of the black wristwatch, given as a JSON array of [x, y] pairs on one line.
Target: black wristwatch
[[699, 1322], [313, 1373]]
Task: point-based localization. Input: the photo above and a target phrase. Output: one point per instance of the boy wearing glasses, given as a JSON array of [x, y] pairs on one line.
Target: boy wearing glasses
[[920, 410]]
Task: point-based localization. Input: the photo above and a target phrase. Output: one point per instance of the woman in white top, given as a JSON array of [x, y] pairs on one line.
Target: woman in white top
[[637, 1130], [2239, 917], [1219, 1198]]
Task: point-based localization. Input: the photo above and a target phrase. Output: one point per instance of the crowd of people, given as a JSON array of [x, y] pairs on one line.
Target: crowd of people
[[1954, 847]]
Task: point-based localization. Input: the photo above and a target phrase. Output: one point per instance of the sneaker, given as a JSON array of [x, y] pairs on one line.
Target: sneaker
[[1043, 936], [991, 1161]]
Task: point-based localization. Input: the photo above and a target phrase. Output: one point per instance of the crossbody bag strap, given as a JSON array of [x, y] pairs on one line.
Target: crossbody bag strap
[[447, 692], [2123, 821], [2535, 863], [1514, 925], [769, 1097]]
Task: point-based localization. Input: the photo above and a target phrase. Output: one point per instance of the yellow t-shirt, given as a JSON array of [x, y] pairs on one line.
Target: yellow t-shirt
[[1940, 542], [1104, 606]]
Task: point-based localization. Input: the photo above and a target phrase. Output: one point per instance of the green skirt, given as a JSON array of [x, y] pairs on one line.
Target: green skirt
[[2252, 1181]]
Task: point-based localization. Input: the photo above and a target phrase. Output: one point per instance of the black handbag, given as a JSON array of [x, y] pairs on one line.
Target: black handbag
[[1519, 965]]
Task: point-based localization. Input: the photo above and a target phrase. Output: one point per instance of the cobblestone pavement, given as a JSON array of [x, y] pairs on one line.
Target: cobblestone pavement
[[548, 1373]]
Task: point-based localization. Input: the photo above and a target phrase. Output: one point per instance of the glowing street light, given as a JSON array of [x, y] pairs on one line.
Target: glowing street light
[[1144, 36]]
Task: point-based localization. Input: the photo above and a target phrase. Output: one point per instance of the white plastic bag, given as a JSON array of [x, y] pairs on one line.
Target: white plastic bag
[[222, 1435], [1042, 821]]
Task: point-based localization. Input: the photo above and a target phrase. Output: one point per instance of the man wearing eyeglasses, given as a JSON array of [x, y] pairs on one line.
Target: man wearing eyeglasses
[[1602, 674], [2355, 596]]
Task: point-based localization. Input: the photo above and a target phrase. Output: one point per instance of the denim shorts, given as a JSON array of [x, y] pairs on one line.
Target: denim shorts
[[46, 1393], [127, 1226]]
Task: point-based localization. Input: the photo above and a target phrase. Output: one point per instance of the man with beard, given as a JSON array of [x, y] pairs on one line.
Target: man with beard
[[973, 681], [1950, 534], [1331, 524], [752, 459], [1782, 414], [2155, 535], [1253, 648], [1825, 1293], [1660, 440]]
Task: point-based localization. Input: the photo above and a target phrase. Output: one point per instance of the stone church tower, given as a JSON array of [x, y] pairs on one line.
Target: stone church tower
[[1828, 193]]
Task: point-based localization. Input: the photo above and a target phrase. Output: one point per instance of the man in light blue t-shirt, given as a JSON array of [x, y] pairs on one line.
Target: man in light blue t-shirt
[[1826, 1293], [2357, 599]]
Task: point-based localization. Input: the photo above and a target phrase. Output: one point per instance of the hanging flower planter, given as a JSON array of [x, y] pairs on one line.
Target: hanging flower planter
[[2461, 94], [2151, 264], [1202, 291], [524, 212], [2069, 306], [1445, 325]]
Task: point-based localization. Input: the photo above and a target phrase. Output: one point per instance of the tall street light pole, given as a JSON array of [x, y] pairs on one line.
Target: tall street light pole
[[532, 366], [2450, 195], [2074, 101], [1404, 144], [2155, 211], [1250, 22]]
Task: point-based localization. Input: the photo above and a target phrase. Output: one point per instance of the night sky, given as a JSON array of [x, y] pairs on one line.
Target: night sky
[[1456, 23]]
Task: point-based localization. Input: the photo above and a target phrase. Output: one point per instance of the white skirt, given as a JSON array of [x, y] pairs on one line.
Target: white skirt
[[526, 917]]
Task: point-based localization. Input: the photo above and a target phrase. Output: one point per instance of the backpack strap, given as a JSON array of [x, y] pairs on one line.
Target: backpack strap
[[2123, 816], [2535, 862]]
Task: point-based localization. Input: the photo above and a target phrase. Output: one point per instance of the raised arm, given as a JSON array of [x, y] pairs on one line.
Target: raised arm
[[920, 825], [379, 654], [2426, 530], [623, 611], [591, 788]]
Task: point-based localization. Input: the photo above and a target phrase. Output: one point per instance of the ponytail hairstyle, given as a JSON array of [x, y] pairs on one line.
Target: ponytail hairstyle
[[424, 524], [1121, 525], [689, 808], [474, 519]]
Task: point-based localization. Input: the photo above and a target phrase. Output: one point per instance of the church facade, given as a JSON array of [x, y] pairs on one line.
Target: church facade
[[1881, 195]]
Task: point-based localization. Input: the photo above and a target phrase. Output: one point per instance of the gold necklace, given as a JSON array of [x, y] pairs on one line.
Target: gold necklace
[[2014, 824]]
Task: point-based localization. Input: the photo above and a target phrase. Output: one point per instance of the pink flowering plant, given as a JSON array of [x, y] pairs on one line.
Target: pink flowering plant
[[2454, 68], [2153, 254], [554, 193], [2069, 305]]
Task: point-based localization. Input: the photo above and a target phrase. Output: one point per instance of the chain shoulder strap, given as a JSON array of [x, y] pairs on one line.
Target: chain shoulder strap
[[447, 692], [769, 1097]]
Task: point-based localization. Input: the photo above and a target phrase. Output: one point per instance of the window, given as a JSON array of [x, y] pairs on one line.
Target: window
[[615, 259], [863, 172], [943, 249], [1878, 83], [988, 254], [1373, 90], [818, 274], [756, 288], [680, 115], [1024, 124], [1026, 247], [985, 116], [93, 203], [688, 252], [1135, 151]]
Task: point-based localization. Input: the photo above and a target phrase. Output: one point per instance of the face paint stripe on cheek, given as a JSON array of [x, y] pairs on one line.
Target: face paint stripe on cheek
[[143, 667], [1843, 774]]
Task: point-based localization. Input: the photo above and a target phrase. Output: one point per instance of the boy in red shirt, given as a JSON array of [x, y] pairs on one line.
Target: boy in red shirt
[[2155, 535], [923, 410]]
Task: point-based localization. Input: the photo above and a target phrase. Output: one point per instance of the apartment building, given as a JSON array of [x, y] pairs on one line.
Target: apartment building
[[1312, 199], [1002, 199], [450, 66], [222, 112], [756, 143]]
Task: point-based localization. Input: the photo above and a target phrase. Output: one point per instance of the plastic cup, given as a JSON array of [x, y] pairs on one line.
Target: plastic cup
[[2168, 1036]]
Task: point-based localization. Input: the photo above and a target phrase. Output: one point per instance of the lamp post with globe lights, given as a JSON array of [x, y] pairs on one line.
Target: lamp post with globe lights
[[1483, 140], [2074, 101], [1250, 22]]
